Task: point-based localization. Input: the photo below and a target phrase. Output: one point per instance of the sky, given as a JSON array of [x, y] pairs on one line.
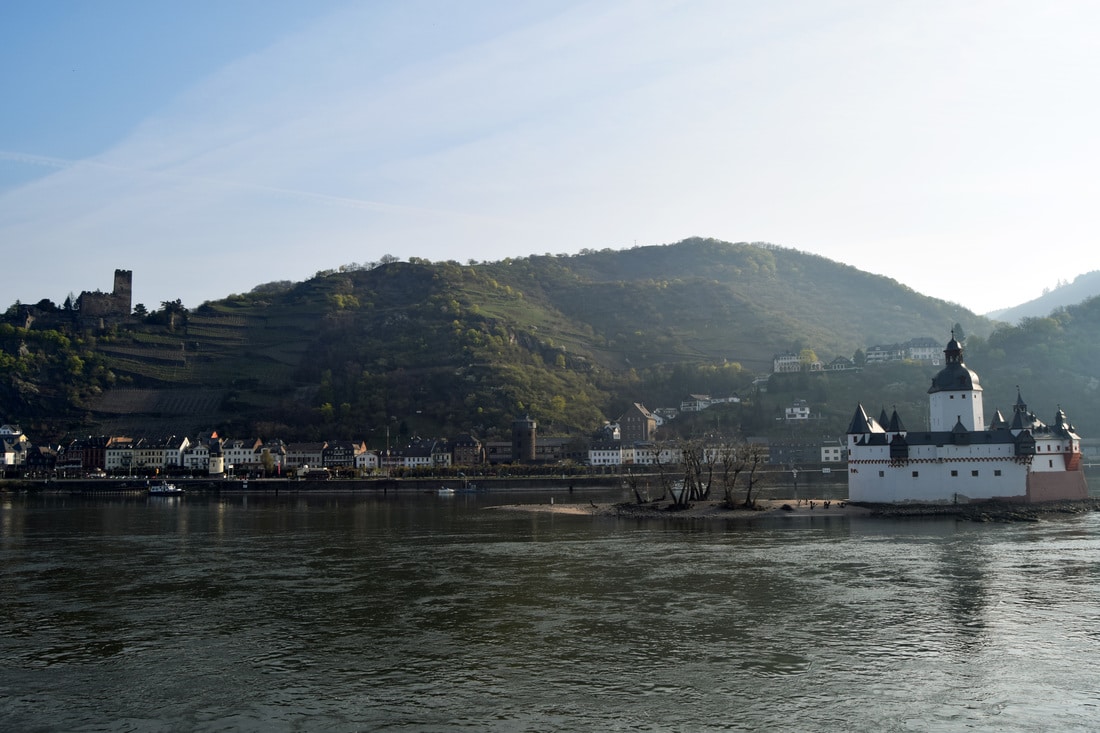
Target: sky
[[215, 145]]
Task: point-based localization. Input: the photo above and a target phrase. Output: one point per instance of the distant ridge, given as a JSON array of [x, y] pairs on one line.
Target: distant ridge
[[1082, 288]]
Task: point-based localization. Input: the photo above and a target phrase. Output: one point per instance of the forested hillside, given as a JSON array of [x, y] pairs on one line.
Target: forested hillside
[[442, 348]]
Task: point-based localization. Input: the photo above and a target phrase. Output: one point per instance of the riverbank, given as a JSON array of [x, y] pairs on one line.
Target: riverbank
[[717, 510], [697, 510]]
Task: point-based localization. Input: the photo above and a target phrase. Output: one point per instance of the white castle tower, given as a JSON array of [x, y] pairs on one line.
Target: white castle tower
[[955, 395]]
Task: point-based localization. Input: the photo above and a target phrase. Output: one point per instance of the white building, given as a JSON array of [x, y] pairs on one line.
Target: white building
[[367, 461], [786, 363], [648, 454], [119, 454], [695, 403], [239, 455], [610, 453], [960, 459], [924, 349], [800, 410]]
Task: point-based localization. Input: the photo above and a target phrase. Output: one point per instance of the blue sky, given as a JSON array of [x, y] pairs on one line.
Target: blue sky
[[213, 146]]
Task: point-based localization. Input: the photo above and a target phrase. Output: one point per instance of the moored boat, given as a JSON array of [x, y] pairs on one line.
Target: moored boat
[[165, 489]]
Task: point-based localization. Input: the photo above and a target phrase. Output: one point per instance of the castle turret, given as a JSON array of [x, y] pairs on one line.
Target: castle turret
[[955, 395]]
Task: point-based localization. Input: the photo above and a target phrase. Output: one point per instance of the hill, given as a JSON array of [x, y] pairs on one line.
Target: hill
[[1082, 288], [442, 348]]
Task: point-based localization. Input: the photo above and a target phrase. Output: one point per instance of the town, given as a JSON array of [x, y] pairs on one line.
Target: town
[[630, 440]]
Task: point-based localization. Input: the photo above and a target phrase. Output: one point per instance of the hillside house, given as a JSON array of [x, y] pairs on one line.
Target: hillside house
[[882, 353], [925, 349], [695, 403], [833, 452], [841, 364], [637, 424], [800, 410], [665, 414], [786, 363]]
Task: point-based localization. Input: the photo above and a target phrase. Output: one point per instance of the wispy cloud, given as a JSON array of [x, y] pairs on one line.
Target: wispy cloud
[[861, 131]]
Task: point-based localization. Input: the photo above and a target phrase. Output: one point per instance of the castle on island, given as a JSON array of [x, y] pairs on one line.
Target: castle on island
[[960, 459]]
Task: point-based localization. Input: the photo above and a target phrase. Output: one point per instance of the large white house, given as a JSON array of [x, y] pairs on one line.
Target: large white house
[[960, 459]]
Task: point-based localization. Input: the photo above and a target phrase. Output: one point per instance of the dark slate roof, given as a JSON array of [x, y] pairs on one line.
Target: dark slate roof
[[944, 437], [955, 377], [998, 422], [895, 423], [861, 423]]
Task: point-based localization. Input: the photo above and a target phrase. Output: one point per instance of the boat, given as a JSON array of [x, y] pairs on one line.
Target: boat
[[446, 491], [165, 489]]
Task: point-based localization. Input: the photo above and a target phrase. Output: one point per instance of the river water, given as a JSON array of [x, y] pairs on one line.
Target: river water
[[351, 612]]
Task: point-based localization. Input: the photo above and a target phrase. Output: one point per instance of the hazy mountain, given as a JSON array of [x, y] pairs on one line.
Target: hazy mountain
[[1081, 289]]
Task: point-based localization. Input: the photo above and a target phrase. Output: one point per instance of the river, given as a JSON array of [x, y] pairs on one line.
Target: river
[[353, 612]]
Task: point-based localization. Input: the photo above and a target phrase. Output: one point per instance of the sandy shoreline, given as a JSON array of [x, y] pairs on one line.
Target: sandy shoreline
[[698, 510]]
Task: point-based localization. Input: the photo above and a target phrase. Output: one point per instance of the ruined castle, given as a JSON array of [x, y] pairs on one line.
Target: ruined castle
[[101, 309]]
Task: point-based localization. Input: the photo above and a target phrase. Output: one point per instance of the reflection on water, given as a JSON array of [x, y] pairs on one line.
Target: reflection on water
[[351, 612]]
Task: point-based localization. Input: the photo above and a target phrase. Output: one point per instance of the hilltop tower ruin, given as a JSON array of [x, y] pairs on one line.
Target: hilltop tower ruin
[[104, 309]]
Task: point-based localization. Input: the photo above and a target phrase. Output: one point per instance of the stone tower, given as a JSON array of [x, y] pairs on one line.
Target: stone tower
[[124, 291], [523, 440]]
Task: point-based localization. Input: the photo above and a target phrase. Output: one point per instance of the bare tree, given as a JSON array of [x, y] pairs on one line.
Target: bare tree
[[666, 467], [735, 460], [698, 465], [755, 459], [731, 461], [633, 482]]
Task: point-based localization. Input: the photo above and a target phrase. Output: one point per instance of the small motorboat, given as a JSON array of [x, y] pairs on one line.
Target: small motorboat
[[165, 489]]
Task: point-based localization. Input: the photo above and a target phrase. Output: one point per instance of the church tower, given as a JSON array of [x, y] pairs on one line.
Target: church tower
[[955, 396]]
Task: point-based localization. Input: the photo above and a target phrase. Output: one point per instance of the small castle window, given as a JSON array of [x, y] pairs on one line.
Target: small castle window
[[915, 474], [954, 473], [996, 472], [973, 473]]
